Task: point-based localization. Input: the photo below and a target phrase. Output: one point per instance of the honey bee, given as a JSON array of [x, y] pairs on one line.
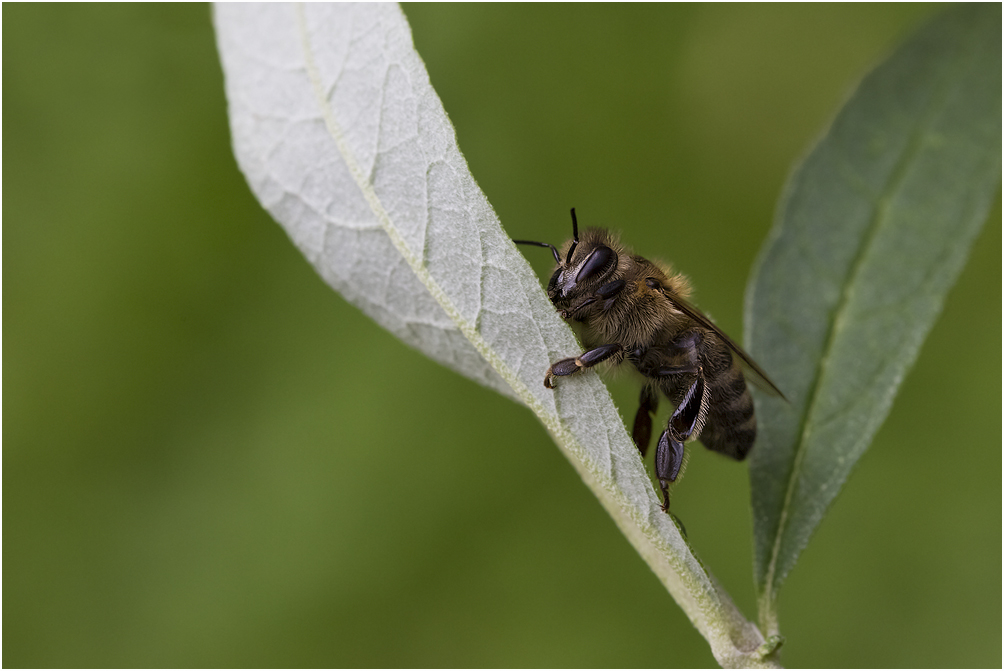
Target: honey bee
[[633, 310]]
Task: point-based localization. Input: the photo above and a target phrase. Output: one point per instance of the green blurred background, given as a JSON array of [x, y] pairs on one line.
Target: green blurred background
[[212, 460]]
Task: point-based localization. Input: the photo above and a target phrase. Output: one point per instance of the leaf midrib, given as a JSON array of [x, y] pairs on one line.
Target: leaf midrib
[[376, 206], [700, 602], [835, 328]]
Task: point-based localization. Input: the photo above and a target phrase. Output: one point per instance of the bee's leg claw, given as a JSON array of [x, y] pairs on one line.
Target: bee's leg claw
[[560, 369], [664, 486]]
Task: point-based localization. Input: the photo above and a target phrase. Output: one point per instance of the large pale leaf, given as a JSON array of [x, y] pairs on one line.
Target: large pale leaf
[[871, 233], [342, 138]]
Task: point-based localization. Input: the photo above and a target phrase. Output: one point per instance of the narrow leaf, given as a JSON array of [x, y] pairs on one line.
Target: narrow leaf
[[343, 140], [872, 231]]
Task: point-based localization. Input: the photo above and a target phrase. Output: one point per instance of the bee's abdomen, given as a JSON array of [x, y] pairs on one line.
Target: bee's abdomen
[[731, 425]]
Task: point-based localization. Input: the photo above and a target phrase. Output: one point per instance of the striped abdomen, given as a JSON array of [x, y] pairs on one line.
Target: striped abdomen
[[731, 425]]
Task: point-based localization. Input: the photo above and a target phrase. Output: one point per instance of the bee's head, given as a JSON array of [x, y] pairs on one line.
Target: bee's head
[[585, 267]]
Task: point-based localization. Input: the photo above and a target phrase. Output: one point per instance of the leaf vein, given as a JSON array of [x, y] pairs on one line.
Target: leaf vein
[[416, 264], [808, 422]]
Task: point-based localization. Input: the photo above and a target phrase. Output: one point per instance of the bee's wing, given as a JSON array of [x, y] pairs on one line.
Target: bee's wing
[[757, 376]]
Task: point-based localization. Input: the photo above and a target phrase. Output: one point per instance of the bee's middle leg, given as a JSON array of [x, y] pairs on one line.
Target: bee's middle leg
[[648, 404]]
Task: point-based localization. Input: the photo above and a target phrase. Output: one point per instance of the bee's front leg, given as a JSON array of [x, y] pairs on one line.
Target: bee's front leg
[[587, 359], [607, 293]]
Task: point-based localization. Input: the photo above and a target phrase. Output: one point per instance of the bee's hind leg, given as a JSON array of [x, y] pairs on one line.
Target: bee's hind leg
[[687, 419], [668, 459]]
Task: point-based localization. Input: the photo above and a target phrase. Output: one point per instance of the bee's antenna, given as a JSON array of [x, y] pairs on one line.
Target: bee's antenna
[[554, 250], [575, 237]]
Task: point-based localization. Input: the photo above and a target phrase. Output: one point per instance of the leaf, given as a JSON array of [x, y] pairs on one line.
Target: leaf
[[872, 231], [343, 140]]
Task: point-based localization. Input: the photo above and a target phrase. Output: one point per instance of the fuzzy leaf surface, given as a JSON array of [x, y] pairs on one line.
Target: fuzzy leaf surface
[[343, 140]]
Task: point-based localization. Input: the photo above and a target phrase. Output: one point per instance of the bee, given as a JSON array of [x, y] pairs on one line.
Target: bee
[[636, 311]]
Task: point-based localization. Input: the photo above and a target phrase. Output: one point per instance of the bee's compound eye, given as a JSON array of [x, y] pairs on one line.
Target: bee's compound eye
[[600, 259]]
